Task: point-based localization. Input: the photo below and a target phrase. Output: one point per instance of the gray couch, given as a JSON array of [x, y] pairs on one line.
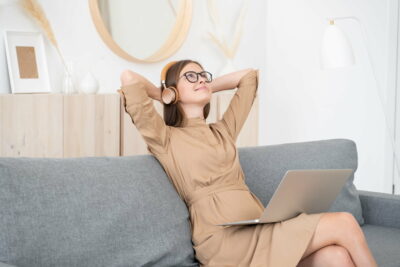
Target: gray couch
[[123, 211]]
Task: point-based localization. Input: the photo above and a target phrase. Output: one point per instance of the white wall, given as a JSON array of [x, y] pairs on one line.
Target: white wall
[[80, 42], [298, 101], [305, 103]]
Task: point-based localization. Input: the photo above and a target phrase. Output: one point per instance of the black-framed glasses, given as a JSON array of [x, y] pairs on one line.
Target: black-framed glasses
[[193, 76]]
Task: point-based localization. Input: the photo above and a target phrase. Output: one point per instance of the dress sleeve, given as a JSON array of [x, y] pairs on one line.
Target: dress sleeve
[[236, 114], [144, 116]]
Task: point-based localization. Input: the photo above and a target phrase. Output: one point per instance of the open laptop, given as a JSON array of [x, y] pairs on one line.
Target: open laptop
[[308, 191]]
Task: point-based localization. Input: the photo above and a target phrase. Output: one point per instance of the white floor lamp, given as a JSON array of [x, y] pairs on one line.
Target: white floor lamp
[[337, 52]]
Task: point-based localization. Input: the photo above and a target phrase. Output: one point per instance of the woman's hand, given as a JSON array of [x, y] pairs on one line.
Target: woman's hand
[[129, 77]]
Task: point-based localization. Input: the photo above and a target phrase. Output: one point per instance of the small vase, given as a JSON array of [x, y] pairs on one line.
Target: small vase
[[89, 84]]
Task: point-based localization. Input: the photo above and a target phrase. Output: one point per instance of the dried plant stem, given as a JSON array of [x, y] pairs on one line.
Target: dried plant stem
[[229, 51], [33, 8]]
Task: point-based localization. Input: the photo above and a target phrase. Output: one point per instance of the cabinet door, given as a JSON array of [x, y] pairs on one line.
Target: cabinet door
[[248, 135], [31, 125], [91, 125]]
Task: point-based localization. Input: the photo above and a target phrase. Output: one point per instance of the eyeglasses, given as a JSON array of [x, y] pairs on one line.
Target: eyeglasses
[[193, 76]]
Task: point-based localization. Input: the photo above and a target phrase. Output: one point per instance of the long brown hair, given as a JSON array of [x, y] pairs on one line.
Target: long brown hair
[[173, 113]]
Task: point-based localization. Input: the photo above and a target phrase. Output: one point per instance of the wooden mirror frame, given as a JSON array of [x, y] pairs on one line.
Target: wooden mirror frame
[[173, 42]]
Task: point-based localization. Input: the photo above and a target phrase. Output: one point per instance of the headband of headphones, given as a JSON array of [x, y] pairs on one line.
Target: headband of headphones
[[164, 71]]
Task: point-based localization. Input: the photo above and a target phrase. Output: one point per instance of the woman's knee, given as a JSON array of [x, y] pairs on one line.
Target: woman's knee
[[348, 222], [346, 228], [337, 228], [347, 217], [334, 228]]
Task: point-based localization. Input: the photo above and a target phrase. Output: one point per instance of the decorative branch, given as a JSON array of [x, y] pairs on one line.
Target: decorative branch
[[171, 5], [33, 8], [218, 37], [239, 29]]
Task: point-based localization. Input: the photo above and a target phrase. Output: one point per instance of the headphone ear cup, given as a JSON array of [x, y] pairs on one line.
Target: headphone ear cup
[[170, 95], [176, 94]]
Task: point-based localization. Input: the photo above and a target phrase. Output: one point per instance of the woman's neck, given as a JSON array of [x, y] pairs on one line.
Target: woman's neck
[[193, 111]]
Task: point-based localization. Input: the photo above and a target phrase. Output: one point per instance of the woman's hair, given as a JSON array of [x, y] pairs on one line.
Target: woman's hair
[[173, 113]]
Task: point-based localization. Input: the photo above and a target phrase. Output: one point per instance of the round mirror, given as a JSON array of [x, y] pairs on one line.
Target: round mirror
[[142, 31]]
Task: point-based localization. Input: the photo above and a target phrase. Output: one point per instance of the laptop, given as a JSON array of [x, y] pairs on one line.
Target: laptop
[[308, 191]]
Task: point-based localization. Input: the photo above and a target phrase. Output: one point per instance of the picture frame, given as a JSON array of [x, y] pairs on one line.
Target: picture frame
[[27, 63]]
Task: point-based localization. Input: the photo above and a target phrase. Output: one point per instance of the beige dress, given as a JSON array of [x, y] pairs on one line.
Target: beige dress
[[201, 160]]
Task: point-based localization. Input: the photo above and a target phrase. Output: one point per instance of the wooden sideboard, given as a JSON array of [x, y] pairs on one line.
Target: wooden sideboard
[[79, 125]]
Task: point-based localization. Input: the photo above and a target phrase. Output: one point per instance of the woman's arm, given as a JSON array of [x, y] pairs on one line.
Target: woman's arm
[[228, 81], [139, 105], [235, 115], [129, 76]]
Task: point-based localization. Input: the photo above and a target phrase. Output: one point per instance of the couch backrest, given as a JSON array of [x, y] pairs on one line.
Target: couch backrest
[[123, 211], [264, 167], [97, 211]]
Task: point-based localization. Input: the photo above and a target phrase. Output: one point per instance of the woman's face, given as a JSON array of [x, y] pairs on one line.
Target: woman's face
[[198, 92]]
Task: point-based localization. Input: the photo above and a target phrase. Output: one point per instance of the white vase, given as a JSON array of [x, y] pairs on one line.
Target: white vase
[[89, 84], [68, 85]]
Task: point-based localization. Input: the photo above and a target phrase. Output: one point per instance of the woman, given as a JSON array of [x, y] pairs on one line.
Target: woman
[[201, 160]]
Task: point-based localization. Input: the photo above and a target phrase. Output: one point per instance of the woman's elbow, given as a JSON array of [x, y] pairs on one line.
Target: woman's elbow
[[128, 77]]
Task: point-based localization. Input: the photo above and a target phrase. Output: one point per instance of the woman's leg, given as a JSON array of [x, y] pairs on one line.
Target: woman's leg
[[341, 228], [329, 256]]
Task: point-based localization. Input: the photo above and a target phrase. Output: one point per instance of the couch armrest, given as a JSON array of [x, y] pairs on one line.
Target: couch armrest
[[6, 265], [380, 208]]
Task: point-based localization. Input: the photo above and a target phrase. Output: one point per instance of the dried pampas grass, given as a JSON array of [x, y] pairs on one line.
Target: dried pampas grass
[[218, 37], [33, 8]]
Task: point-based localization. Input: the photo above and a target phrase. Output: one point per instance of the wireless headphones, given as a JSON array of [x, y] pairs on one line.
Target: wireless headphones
[[170, 94]]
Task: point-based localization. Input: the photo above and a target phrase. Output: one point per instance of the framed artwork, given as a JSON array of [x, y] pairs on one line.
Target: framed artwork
[[26, 60]]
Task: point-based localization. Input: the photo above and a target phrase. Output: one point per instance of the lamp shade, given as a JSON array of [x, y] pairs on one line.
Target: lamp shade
[[336, 50]]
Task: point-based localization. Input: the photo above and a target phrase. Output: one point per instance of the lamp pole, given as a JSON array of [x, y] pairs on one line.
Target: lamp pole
[[389, 130]]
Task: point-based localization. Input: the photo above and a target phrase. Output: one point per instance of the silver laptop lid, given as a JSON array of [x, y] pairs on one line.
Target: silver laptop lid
[[309, 191]]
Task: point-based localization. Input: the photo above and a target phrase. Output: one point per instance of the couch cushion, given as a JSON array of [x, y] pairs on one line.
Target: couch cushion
[[264, 167], [384, 243], [104, 211]]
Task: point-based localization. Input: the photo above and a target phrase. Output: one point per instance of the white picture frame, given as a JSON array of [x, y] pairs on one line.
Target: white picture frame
[[26, 61]]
